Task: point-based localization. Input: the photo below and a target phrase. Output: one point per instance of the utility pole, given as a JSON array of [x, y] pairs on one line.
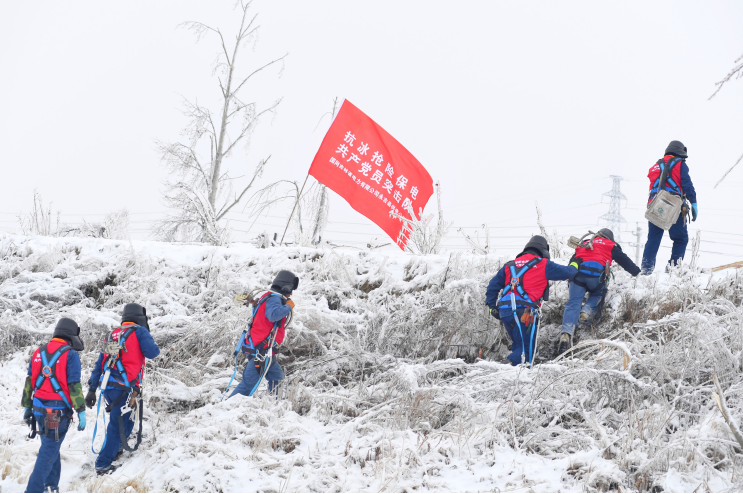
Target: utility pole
[[637, 244], [614, 218]]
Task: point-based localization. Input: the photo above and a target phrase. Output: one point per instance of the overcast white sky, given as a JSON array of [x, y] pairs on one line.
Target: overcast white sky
[[504, 102]]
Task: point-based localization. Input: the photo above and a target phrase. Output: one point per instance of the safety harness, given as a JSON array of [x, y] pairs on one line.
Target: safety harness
[[514, 295], [112, 348], [664, 180], [262, 354], [52, 415]]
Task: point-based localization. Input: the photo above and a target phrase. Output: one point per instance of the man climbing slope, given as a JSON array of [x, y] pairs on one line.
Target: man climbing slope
[[51, 394], [677, 182], [522, 284], [593, 259], [266, 332], [124, 353]]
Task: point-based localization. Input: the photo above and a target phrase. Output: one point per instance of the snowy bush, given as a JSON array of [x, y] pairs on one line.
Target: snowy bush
[[392, 380]]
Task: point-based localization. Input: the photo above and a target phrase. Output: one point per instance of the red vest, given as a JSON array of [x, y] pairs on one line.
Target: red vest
[[46, 391], [654, 174], [601, 251], [534, 280], [132, 359], [262, 326]]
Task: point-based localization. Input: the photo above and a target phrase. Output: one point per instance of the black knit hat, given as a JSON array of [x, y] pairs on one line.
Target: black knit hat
[[69, 330], [285, 282], [606, 233], [540, 244], [135, 313], [677, 149]]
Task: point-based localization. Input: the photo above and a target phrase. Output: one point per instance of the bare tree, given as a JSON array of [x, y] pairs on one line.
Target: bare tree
[[735, 73], [424, 239], [201, 190], [39, 221]]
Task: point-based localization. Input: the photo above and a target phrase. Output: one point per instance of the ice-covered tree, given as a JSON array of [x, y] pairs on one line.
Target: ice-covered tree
[[201, 189], [735, 73]]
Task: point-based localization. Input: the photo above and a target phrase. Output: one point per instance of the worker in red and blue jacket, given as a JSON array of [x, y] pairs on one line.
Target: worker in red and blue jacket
[[269, 322], [139, 345], [50, 397], [678, 182], [593, 259], [527, 288]]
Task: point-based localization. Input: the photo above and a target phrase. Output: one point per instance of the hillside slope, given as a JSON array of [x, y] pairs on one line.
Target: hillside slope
[[384, 386]]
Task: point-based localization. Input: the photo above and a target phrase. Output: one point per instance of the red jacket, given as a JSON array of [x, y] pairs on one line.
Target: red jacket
[[673, 178], [600, 253], [132, 359], [46, 391], [262, 327], [534, 280]]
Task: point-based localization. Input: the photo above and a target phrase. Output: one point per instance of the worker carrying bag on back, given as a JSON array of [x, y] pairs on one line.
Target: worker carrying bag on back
[[667, 205]]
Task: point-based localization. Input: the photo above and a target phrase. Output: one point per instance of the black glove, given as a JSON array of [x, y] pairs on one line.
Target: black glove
[[90, 398], [575, 261], [28, 416], [495, 313]]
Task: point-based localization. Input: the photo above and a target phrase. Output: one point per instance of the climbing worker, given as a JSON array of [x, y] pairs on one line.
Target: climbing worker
[[522, 285], [677, 182], [592, 259], [51, 394], [265, 333], [118, 372]]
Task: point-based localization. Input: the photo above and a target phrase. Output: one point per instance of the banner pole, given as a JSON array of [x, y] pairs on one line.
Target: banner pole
[[332, 115], [295, 207]]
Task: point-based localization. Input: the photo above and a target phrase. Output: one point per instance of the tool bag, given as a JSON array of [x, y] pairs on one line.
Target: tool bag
[[664, 210]]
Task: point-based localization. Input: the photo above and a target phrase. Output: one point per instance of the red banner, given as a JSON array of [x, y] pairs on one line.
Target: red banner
[[366, 166]]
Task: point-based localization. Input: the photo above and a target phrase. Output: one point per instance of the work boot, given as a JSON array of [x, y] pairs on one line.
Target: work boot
[[584, 317], [107, 470], [565, 343]]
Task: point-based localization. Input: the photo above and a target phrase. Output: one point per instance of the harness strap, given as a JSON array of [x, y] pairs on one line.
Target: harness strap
[[516, 286], [665, 181], [49, 371], [249, 338]]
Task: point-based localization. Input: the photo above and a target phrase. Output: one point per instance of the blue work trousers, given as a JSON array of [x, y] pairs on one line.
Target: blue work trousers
[[593, 286], [512, 328], [113, 439], [251, 377], [678, 233], [48, 465]]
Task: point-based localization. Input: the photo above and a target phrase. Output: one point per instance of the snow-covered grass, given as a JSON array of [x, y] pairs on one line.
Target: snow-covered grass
[[384, 387]]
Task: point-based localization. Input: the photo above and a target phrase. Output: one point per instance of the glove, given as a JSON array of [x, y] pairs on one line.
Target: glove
[[90, 398], [495, 313], [290, 303], [694, 212], [28, 416], [575, 261], [81, 418]]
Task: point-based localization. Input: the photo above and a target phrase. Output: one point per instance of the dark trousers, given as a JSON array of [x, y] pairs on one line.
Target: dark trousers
[[521, 346], [113, 439], [250, 378], [48, 465], [678, 234]]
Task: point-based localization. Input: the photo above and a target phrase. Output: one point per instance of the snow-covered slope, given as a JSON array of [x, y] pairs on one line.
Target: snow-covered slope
[[384, 388]]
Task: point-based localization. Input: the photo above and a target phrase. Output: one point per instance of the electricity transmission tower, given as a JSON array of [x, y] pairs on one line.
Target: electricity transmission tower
[[614, 218]]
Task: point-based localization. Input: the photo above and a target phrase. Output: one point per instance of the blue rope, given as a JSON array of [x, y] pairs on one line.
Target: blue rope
[[95, 429]]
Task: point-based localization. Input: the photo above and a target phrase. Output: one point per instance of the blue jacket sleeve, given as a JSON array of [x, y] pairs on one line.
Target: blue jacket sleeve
[[275, 309], [95, 375], [494, 287], [558, 272], [147, 343], [623, 260], [73, 367], [686, 185]]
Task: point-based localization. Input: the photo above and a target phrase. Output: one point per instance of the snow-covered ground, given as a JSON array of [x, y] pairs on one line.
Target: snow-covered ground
[[384, 388]]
